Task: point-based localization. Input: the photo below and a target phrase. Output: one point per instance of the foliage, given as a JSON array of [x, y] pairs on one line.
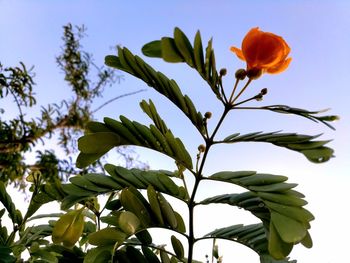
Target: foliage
[[67, 118], [138, 199]]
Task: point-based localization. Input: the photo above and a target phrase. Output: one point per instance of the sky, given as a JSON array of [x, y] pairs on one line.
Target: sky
[[318, 33]]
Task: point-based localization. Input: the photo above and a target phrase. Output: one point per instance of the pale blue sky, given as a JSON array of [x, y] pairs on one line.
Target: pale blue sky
[[318, 33]]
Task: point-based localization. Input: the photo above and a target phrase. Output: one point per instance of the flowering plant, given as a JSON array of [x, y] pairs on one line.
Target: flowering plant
[[139, 199]]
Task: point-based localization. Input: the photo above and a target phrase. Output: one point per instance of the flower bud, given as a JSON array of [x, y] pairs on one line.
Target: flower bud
[[241, 74], [254, 73], [207, 115], [201, 148], [263, 91], [223, 72]]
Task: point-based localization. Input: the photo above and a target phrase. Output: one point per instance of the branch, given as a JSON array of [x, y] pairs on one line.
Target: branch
[[118, 97]]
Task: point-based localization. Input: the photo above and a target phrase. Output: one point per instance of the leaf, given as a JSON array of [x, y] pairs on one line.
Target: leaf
[[228, 175], [149, 255], [278, 187], [181, 227], [153, 49], [103, 181], [298, 213], [133, 201], [99, 254], [184, 46], [318, 155], [169, 51], [5, 255], [277, 247], [178, 247], [252, 236], [134, 255], [314, 151], [36, 202], [198, 53], [107, 236], [85, 159], [6, 200], [100, 142], [144, 237], [290, 230], [282, 198], [304, 113], [120, 256], [307, 241], [74, 190], [128, 222], [84, 183], [113, 61], [150, 109]]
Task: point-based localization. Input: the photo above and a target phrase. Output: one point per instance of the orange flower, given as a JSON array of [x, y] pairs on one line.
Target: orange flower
[[264, 51]]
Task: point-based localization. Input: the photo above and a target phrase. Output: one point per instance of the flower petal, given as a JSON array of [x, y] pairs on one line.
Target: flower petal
[[238, 52], [280, 67]]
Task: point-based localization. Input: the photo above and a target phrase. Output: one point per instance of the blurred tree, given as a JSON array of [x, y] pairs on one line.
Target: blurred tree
[[66, 118]]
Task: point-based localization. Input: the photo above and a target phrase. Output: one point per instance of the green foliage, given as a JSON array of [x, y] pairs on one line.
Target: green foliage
[[280, 208], [19, 137], [66, 118], [139, 199]]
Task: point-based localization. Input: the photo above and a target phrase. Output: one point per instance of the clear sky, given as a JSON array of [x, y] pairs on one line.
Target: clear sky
[[318, 33]]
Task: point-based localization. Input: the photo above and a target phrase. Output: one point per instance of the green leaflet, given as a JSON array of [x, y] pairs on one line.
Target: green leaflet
[[144, 237], [150, 109], [290, 230], [152, 49], [198, 53], [134, 202], [169, 51], [5, 255], [278, 249], [128, 222], [184, 46], [6, 200], [252, 236], [134, 255], [107, 236], [311, 115], [149, 255], [178, 247], [314, 151], [100, 142], [84, 183], [99, 254], [103, 181]]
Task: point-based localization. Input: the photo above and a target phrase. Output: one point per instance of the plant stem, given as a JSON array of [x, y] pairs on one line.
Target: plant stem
[[240, 93], [234, 89], [199, 177]]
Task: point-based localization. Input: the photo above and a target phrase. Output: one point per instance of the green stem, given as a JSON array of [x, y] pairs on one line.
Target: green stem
[[240, 93], [234, 90], [199, 177]]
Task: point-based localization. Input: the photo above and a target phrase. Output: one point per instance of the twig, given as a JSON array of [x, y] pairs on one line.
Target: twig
[[118, 97]]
